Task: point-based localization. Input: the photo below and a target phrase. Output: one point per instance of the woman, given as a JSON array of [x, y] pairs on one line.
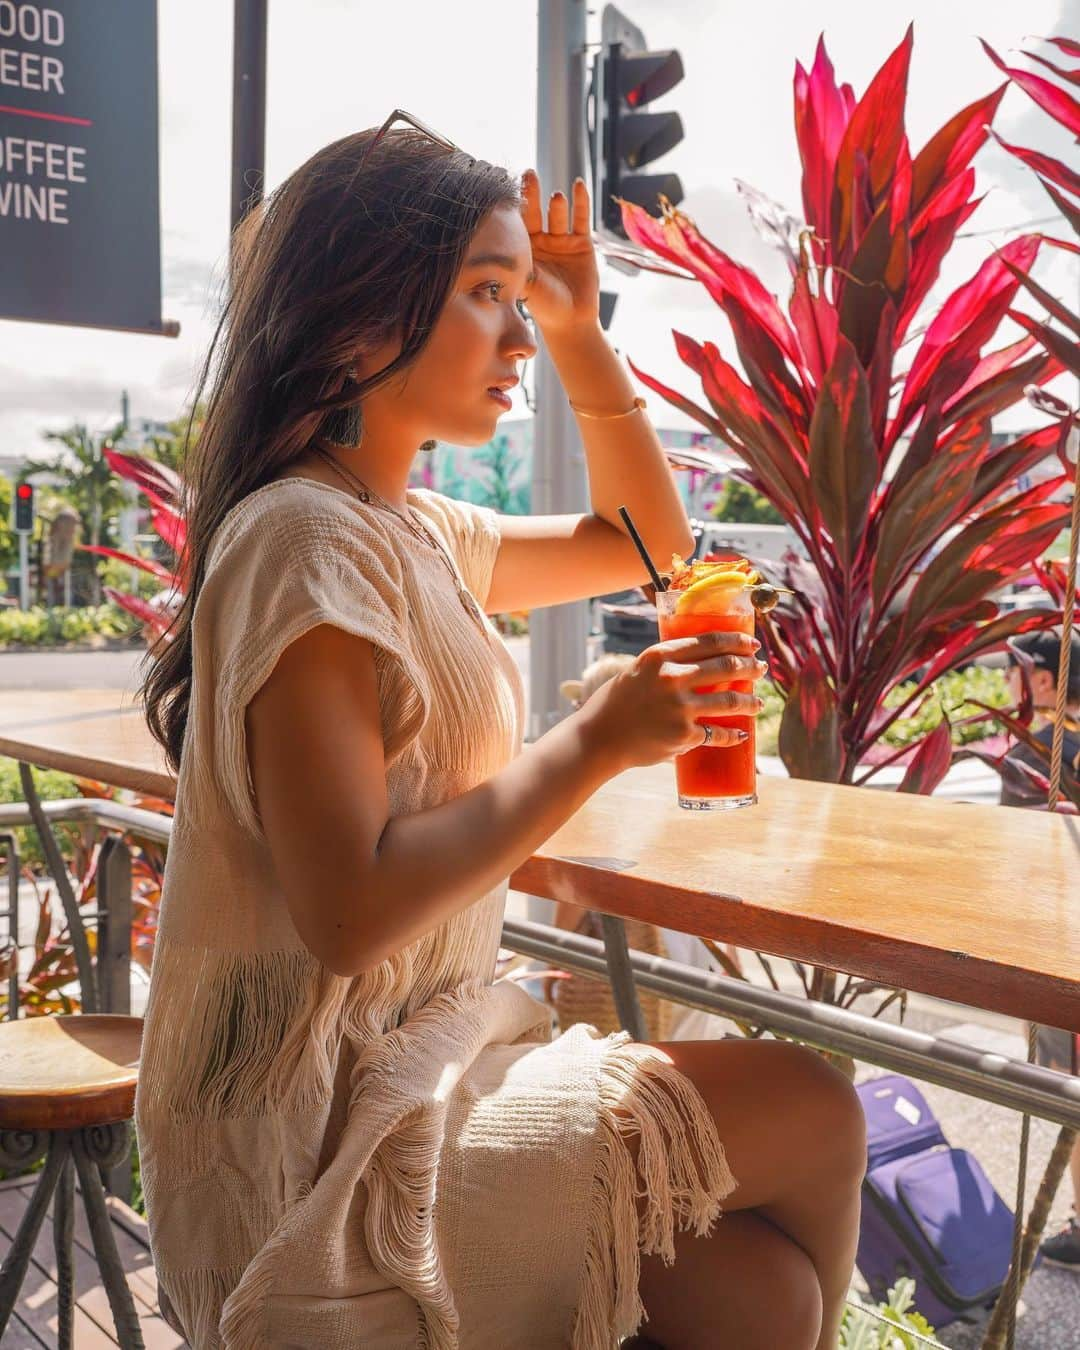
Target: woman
[[349, 1135]]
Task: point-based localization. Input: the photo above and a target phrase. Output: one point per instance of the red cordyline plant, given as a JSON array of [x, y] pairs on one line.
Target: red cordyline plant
[[161, 486], [910, 518]]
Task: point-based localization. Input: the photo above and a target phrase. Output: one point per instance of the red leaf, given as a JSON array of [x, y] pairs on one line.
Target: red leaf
[[1060, 312], [916, 513], [843, 453], [968, 318], [170, 525], [822, 112], [147, 564], [952, 148], [930, 762], [677, 400], [875, 133], [1004, 389], [1057, 344], [157, 621], [816, 323], [976, 640], [150, 475], [1071, 76], [927, 252], [1045, 165], [1067, 209], [990, 366], [1061, 106], [1067, 45], [810, 744]]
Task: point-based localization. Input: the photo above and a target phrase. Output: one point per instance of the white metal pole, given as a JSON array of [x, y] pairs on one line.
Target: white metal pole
[[558, 636]]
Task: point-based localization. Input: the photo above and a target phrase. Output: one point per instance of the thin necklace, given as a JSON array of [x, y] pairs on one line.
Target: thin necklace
[[418, 528]]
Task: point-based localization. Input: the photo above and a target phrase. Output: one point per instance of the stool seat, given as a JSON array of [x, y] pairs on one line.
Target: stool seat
[[65, 1073]]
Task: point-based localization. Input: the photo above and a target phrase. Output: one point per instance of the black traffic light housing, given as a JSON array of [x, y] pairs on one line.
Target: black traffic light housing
[[627, 77], [23, 508]]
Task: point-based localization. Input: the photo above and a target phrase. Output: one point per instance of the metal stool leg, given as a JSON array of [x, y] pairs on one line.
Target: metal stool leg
[[18, 1149], [104, 1146], [63, 1242]]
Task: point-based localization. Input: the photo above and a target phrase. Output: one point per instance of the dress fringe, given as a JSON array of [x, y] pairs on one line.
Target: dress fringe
[[681, 1177]]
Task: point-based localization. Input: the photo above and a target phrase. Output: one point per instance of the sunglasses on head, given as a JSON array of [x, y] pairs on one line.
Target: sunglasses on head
[[400, 115]]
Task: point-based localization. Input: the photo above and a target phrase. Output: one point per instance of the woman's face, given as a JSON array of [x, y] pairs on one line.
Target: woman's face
[[457, 388]]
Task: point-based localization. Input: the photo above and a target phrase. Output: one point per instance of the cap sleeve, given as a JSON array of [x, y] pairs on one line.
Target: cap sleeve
[[289, 564], [472, 532]]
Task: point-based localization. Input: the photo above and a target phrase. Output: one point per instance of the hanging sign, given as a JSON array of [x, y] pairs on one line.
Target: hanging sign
[[79, 218]]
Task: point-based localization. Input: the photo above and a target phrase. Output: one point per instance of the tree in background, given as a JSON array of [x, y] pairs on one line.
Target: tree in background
[[497, 488], [89, 482], [9, 540], [739, 503]]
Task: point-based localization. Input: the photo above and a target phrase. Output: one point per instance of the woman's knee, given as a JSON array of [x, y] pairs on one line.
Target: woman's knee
[[828, 1111]]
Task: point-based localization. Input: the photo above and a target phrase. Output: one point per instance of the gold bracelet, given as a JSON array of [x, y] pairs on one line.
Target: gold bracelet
[[609, 417]]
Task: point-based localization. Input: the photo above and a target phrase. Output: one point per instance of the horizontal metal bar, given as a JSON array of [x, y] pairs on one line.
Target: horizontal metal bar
[[978, 1073], [94, 811]]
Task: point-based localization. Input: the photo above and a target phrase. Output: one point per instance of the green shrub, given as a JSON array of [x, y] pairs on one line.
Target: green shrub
[[859, 1331], [950, 693], [41, 627], [123, 577], [52, 786]]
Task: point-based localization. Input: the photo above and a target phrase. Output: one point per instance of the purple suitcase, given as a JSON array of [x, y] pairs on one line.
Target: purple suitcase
[[929, 1211]]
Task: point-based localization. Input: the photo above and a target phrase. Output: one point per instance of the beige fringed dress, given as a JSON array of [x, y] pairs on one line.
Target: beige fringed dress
[[403, 1160]]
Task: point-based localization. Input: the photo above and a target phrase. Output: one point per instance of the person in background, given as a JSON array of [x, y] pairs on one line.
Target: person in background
[[1055, 1048], [1044, 650]]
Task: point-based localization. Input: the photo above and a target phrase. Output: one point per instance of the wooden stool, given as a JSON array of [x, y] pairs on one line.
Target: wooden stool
[[67, 1091]]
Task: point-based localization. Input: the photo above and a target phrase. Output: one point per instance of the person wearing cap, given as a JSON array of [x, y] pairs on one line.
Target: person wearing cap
[[1055, 1049], [1044, 651]]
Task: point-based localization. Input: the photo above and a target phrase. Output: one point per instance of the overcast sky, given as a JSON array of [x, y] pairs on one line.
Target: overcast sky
[[470, 70]]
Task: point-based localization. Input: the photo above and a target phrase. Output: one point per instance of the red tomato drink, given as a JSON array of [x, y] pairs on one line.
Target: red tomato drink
[[724, 777]]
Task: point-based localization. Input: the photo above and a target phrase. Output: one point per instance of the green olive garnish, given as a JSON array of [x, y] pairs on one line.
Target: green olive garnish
[[764, 598]]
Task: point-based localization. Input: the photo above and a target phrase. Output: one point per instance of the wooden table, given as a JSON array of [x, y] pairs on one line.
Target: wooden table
[[92, 733], [976, 904]]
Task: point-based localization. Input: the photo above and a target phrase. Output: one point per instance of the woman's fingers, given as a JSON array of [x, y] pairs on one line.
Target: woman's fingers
[[726, 703], [722, 736], [531, 211], [558, 214], [702, 646], [727, 667], [582, 212]]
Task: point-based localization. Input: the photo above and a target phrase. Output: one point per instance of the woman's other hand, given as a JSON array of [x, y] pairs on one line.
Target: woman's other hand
[[566, 289]]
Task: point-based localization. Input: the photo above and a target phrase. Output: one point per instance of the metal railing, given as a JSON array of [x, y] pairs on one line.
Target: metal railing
[[982, 1074]]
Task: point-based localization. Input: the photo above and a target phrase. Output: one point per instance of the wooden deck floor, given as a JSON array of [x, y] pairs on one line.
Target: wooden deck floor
[[34, 1325]]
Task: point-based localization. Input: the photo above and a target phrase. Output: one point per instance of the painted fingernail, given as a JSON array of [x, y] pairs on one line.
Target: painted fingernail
[[742, 736]]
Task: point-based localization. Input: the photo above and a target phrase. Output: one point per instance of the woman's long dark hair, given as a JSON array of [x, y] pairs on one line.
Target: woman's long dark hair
[[340, 258]]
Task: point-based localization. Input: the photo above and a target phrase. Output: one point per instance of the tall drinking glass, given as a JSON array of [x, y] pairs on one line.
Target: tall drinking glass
[[714, 777]]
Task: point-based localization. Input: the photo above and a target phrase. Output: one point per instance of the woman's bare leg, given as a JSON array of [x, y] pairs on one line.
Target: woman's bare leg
[[795, 1138], [746, 1286]]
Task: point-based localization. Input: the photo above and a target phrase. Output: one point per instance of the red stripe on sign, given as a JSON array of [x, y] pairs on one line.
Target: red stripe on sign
[[47, 117]]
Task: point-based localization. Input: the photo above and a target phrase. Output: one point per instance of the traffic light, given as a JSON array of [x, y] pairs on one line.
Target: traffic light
[[24, 508], [627, 77]]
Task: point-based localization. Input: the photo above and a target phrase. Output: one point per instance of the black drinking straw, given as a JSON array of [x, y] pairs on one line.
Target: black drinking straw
[[658, 580]]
